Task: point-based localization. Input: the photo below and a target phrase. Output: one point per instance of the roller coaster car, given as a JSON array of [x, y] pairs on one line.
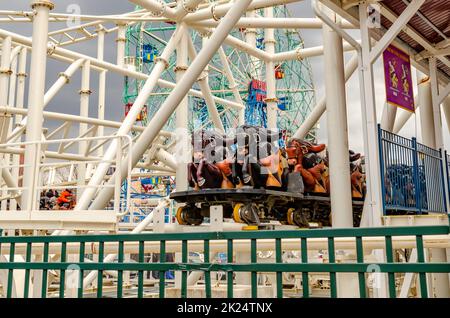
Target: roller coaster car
[[255, 179], [258, 206]]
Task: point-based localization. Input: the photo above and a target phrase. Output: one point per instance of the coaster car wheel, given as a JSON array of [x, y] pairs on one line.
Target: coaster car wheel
[[246, 213], [189, 215], [296, 217]]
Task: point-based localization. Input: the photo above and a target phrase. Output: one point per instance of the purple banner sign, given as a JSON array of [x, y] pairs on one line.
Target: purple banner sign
[[397, 73]]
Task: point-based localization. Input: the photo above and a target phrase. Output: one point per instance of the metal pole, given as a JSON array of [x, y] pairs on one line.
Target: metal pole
[[85, 92], [340, 194], [271, 100], [5, 125], [121, 40], [373, 209], [160, 66], [388, 117], [181, 117], [101, 85], [172, 101], [320, 107], [203, 82], [36, 97], [426, 110]]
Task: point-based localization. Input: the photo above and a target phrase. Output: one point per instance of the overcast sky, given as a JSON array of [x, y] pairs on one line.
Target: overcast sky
[[68, 99]]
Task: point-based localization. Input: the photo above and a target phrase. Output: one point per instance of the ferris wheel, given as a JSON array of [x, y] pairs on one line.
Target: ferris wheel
[[295, 88]]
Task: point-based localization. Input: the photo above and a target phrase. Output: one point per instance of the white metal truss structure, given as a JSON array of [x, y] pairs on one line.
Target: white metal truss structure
[[42, 149]]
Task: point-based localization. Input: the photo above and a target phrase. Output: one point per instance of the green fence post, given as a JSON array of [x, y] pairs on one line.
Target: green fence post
[[26, 288], [120, 272], [421, 259], [390, 259], [101, 252], [12, 252], [305, 275], [81, 260], [184, 273], [332, 260], [162, 274], [141, 272], [360, 260], [207, 271], [62, 271], [44, 272], [254, 280], [279, 260], [230, 272]]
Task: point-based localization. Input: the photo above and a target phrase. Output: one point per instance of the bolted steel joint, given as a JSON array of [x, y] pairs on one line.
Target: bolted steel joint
[[43, 3], [186, 8], [180, 68], [299, 54], [6, 71], [67, 77], [161, 59], [85, 92], [213, 13], [161, 12]]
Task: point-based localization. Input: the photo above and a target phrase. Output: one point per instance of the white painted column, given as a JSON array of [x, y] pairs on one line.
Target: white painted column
[[426, 110], [341, 199], [85, 92], [101, 85], [167, 108], [181, 114], [388, 117], [439, 281], [121, 40], [5, 73], [271, 100], [373, 209], [250, 38], [446, 108], [36, 98], [19, 102], [160, 65]]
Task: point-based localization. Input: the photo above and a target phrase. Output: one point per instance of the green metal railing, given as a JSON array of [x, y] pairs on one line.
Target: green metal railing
[[46, 245]]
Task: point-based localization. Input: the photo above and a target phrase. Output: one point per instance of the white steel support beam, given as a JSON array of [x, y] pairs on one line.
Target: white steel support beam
[[178, 93], [36, 98], [404, 116], [426, 110], [203, 82], [388, 117], [395, 29], [101, 85], [437, 122], [372, 214], [5, 72], [121, 40], [85, 92], [158, 8], [446, 108], [271, 100], [70, 56], [341, 199], [62, 80], [160, 66], [320, 108], [232, 84], [181, 114]]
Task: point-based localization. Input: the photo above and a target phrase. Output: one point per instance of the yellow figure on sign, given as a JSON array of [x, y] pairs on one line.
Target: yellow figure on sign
[[393, 74], [405, 82]]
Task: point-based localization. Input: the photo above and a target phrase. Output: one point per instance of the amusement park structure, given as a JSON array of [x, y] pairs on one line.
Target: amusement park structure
[[201, 184]]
